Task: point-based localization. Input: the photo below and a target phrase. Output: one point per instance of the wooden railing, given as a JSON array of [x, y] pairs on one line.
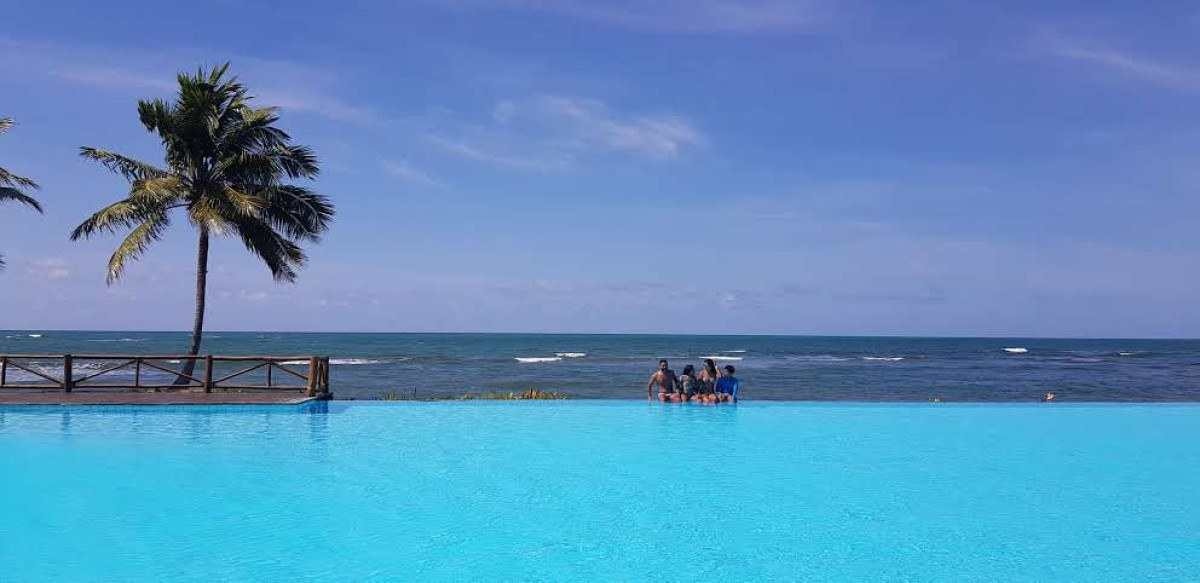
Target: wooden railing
[[209, 373]]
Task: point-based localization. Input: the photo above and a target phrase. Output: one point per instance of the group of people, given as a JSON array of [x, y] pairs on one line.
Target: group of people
[[710, 386]]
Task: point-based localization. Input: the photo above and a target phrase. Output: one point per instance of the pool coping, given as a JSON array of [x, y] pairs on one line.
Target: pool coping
[[170, 398]]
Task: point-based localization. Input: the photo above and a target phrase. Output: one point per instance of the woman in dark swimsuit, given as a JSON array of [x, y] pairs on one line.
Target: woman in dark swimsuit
[[688, 385], [708, 381]]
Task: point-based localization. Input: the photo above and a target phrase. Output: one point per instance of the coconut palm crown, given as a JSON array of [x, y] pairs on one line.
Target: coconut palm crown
[[225, 169], [13, 187]]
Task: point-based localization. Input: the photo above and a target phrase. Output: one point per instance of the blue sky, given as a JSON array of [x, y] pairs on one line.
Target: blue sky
[[935, 168]]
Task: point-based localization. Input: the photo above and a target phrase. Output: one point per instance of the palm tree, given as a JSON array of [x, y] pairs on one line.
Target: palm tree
[[225, 168], [11, 185]]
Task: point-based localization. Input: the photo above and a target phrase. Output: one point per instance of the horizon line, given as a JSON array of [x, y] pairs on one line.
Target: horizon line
[[514, 333]]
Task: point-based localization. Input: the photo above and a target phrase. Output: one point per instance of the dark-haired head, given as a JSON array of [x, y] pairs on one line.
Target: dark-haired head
[[689, 370], [709, 365], [729, 369]]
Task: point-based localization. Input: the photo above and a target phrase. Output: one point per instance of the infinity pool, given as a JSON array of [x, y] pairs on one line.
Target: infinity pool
[[601, 490]]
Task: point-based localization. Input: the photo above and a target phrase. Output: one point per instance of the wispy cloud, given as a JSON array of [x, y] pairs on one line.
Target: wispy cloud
[[112, 78], [1162, 74], [494, 154], [553, 132], [404, 170], [50, 269], [661, 136], [290, 86], [680, 16]]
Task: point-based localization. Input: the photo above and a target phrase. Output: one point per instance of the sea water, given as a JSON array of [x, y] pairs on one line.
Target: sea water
[[601, 490], [771, 367]]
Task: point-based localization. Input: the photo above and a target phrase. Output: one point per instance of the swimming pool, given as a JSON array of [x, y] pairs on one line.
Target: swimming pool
[[601, 490]]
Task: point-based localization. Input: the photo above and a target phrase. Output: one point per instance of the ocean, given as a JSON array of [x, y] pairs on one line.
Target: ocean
[[617, 366]]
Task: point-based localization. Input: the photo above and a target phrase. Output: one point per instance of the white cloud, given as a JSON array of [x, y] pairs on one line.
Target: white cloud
[[662, 136], [50, 269], [1159, 73], [112, 78], [404, 170], [553, 132], [530, 161]]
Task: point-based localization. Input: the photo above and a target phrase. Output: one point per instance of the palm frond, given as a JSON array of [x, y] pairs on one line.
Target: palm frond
[[147, 199], [297, 211], [125, 166], [9, 179], [10, 193], [282, 256], [135, 243]]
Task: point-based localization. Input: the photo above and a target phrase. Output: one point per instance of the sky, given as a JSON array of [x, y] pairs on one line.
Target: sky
[[704, 166]]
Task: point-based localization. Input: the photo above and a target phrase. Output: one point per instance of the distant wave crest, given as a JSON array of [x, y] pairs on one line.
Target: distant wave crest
[[884, 358], [1016, 350], [340, 361], [724, 357], [570, 354], [533, 359], [819, 358]]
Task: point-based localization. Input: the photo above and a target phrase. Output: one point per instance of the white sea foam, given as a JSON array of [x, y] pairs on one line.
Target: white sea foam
[[724, 357], [733, 351], [116, 340], [1016, 350], [816, 358], [884, 358], [570, 354], [533, 359], [35, 335], [338, 361]]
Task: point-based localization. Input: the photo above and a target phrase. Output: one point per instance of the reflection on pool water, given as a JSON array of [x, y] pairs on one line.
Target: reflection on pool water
[[601, 490]]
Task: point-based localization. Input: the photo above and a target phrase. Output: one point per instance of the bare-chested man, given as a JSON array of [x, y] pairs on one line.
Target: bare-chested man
[[664, 377]]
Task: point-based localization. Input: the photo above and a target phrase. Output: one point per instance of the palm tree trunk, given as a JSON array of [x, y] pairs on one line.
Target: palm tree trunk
[[198, 320]]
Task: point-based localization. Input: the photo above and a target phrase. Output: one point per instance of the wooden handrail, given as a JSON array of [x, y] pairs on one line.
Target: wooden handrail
[[316, 381]]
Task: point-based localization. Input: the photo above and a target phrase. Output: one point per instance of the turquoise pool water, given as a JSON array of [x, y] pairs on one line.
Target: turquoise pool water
[[601, 490]]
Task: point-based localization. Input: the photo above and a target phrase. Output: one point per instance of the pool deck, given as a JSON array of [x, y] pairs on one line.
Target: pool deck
[[18, 397]]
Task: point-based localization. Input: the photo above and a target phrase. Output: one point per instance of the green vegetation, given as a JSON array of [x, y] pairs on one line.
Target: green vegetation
[[225, 166], [12, 186]]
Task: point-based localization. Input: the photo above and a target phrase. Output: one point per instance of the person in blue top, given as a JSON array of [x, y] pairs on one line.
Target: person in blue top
[[728, 385]]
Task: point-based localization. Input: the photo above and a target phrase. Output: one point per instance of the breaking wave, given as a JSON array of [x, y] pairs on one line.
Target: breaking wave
[[570, 354], [818, 358], [884, 358], [1016, 350], [533, 359]]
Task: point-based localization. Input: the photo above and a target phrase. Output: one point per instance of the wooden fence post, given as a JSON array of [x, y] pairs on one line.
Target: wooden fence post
[[67, 367], [325, 377], [314, 372], [208, 379]]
